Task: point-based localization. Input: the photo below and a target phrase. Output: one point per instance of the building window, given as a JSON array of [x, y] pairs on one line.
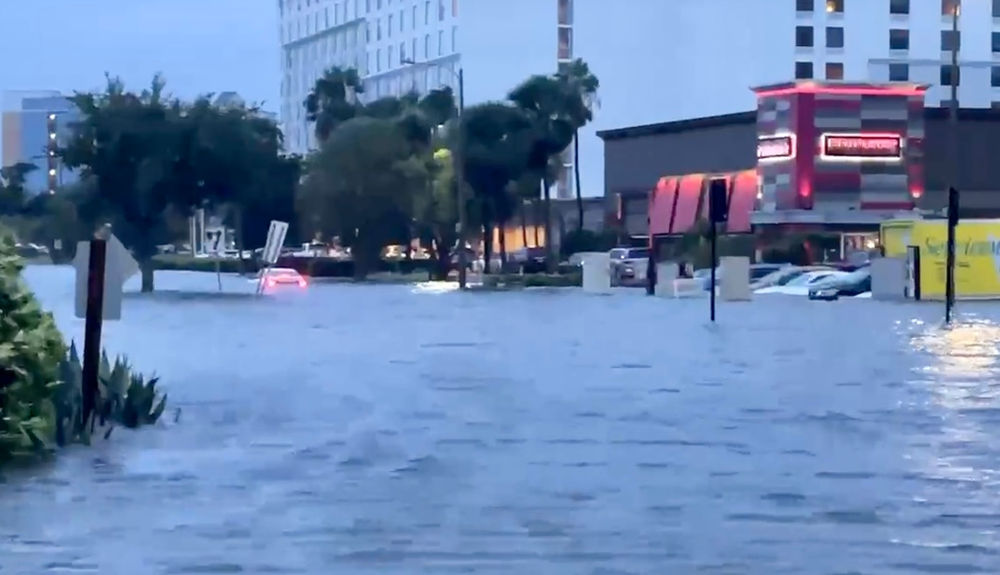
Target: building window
[[565, 44], [899, 6], [402, 20], [946, 76], [834, 71], [899, 39], [388, 30], [899, 72], [835, 6], [427, 46], [803, 70], [950, 40], [949, 7], [995, 76], [565, 12], [441, 11], [834, 37], [996, 42], [454, 39], [996, 8], [440, 42], [389, 60], [427, 12], [378, 60], [805, 5], [995, 105], [804, 36], [413, 19]]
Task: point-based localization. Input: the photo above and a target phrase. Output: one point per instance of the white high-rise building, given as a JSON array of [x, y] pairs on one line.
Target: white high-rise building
[[657, 60]]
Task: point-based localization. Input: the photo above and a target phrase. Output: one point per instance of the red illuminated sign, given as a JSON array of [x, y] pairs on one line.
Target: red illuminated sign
[[862, 146], [774, 147]]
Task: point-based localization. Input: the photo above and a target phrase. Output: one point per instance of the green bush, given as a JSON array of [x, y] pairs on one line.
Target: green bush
[[125, 398], [513, 281], [578, 241], [188, 263], [41, 393], [30, 351]]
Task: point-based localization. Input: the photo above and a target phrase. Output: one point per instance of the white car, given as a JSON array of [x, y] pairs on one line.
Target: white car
[[801, 284]]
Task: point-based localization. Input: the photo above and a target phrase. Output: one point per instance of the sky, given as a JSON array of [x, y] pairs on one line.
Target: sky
[[200, 46]]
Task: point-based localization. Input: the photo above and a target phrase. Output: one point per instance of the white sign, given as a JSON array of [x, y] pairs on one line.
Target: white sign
[[215, 240], [275, 241], [119, 266]]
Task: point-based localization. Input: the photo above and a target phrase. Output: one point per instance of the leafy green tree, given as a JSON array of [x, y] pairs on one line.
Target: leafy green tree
[[13, 196], [543, 100], [497, 139], [333, 100], [139, 153], [31, 349], [360, 187], [436, 211], [581, 99]]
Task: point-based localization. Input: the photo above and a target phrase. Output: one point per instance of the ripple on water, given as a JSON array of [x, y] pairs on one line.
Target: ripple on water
[[596, 450]]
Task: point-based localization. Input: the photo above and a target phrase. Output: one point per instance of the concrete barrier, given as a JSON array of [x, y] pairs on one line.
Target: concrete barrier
[[666, 273], [889, 278], [735, 282], [687, 288], [596, 273]]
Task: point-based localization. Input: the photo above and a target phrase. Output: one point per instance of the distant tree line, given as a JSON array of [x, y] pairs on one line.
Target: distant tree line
[[383, 172]]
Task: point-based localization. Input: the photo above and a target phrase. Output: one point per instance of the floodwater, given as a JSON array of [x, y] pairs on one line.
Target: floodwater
[[392, 429]]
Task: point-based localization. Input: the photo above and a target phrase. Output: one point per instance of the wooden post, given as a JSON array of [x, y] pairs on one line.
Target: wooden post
[[92, 326]]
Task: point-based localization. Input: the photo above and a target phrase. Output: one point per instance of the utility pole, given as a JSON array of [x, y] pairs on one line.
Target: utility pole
[[459, 159], [953, 194]]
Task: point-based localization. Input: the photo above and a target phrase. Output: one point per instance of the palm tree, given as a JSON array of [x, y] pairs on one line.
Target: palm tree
[[582, 99], [333, 100], [544, 100]]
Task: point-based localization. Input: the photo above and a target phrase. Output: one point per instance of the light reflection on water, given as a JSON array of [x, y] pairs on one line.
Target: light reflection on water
[[400, 429]]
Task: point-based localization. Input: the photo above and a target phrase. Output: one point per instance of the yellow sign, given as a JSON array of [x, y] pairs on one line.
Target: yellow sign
[[977, 258]]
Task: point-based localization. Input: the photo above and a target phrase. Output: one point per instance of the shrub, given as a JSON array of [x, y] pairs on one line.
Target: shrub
[[125, 398], [30, 351], [587, 241]]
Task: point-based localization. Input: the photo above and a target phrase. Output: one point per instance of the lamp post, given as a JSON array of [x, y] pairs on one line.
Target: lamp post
[[458, 160], [953, 194]]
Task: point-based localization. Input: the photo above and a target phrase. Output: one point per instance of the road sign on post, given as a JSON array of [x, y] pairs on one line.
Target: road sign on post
[[215, 241], [275, 241], [119, 266], [272, 249]]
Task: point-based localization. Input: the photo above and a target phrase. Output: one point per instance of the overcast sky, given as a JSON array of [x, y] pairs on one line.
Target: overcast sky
[[200, 46]]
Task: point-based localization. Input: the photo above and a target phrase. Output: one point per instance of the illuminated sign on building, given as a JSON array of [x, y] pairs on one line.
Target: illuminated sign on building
[[775, 148], [863, 146]]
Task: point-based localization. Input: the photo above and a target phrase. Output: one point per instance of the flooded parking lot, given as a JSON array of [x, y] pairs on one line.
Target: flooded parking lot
[[393, 429]]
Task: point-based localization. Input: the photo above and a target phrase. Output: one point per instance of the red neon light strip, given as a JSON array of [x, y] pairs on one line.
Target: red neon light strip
[[842, 90]]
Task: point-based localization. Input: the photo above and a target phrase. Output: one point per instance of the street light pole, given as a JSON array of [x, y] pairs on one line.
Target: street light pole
[[459, 158], [953, 194], [459, 166]]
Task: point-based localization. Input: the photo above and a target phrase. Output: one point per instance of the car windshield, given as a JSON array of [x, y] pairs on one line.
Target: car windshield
[[638, 253], [618, 254], [808, 278], [857, 276], [789, 276]]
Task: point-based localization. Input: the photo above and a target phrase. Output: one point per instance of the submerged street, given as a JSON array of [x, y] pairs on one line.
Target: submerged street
[[399, 429]]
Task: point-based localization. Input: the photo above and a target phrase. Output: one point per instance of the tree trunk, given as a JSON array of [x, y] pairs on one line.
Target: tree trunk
[[442, 257], [576, 176], [503, 246], [524, 224], [239, 240], [147, 268], [536, 218], [487, 246], [550, 257]]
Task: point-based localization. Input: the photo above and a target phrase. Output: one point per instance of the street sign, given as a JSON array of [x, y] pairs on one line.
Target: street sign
[[119, 267], [275, 241], [215, 240]]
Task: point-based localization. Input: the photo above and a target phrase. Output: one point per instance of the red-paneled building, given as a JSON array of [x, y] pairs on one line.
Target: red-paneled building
[[837, 156]]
